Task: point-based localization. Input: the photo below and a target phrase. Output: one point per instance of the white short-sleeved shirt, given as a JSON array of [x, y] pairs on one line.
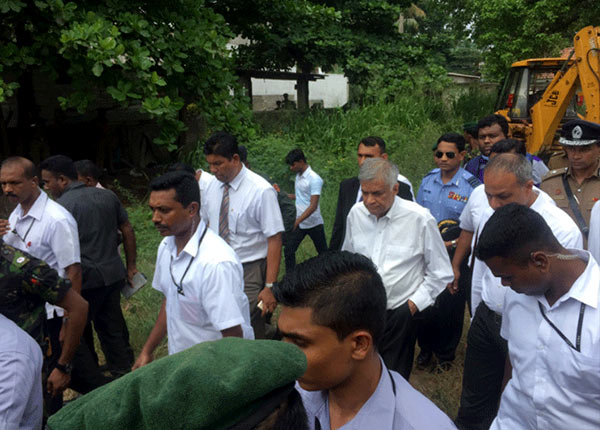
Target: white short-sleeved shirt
[[212, 296], [485, 286], [308, 184], [406, 246], [553, 386], [594, 235], [20, 379], [254, 213], [50, 234]]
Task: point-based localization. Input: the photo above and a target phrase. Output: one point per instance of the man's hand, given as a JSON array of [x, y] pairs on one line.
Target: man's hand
[[412, 307], [4, 227], [268, 299], [276, 186], [453, 286], [131, 271], [143, 359], [296, 224], [57, 382]]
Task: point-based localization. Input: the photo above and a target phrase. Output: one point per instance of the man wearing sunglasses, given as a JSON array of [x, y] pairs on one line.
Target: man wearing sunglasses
[[445, 192], [551, 320]]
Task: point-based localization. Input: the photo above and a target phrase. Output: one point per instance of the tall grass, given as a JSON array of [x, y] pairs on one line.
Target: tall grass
[[410, 125]]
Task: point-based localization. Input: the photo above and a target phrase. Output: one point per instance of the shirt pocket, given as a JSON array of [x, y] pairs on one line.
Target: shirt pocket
[[190, 309], [576, 372]]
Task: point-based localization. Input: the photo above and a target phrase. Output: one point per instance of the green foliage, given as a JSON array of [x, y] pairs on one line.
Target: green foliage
[[511, 30], [158, 56]]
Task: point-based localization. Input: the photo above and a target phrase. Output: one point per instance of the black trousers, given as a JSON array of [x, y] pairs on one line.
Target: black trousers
[[398, 342], [440, 326], [295, 237], [483, 373], [105, 314], [52, 404]]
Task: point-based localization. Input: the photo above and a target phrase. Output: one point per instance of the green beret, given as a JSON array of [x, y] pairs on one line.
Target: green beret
[[212, 385]]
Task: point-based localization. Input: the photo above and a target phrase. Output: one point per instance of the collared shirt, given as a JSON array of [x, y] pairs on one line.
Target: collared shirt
[[477, 165], [586, 194], [446, 201], [205, 179], [407, 248], [53, 236], [474, 209], [307, 184], [20, 380], [212, 291], [485, 286], [254, 214], [99, 214], [594, 237], [392, 406], [539, 169], [553, 386]]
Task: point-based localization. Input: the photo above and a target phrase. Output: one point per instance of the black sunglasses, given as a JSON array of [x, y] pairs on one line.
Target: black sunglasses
[[440, 154]]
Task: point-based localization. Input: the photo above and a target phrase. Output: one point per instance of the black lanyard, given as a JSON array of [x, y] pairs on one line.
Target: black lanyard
[[318, 424], [16, 233], [577, 346], [180, 285]]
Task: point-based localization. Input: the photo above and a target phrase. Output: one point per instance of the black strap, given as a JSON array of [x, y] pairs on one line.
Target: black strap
[[318, 424], [180, 286], [577, 346], [575, 207]]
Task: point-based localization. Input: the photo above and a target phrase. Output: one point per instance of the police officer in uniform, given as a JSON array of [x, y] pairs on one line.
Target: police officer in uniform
[[576, 188], [26, 284], [445, 192]]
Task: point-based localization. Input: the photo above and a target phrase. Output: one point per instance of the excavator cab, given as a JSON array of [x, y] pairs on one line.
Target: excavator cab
[[525, 84]]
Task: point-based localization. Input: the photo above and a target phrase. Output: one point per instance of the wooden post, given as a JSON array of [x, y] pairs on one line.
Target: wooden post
[[302, 87]]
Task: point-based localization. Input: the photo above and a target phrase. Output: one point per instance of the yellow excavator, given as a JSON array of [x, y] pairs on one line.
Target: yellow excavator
[[540, 94]]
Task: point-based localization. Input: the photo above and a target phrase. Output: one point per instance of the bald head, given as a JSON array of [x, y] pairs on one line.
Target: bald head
[[26, 164]]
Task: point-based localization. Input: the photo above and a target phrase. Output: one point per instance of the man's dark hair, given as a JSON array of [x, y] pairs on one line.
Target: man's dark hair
[[27, 165], [343, 290], [223, 144], [59, 165], [471, 129], [514, 231], [509, 145], [490, 120], [185, 186], [455, 138], [243, 151], [373, 141], [295, 155], [87, 168], [180, 166]]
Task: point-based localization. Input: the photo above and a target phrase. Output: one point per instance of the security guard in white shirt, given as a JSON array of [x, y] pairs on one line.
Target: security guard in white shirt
[[197, 272], [242, 208], [551, 321]]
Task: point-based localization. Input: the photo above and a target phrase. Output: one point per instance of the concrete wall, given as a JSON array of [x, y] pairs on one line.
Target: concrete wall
[[331, 91]]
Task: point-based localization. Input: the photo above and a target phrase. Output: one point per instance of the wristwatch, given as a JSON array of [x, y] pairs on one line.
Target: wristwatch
[[269, 285], [65, 368], [453, 243]]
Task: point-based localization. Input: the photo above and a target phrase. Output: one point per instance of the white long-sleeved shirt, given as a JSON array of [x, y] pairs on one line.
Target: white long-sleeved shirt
[[407, 248]]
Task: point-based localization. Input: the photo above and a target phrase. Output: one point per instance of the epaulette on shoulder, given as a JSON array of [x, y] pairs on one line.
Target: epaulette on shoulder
[[555, 172], [433, 172], [14, 256], [473, 181]]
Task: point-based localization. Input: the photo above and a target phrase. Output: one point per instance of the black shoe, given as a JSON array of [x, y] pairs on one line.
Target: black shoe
[[423, 359]]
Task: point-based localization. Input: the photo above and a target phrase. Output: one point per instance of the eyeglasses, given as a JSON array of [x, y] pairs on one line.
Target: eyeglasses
[[440, 154]]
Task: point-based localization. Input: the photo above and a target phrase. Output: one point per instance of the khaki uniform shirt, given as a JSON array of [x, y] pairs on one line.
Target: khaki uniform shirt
[[586, 194]]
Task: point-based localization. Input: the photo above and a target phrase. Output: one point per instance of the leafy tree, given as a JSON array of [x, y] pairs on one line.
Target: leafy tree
[[161, 56], [510, 30]]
